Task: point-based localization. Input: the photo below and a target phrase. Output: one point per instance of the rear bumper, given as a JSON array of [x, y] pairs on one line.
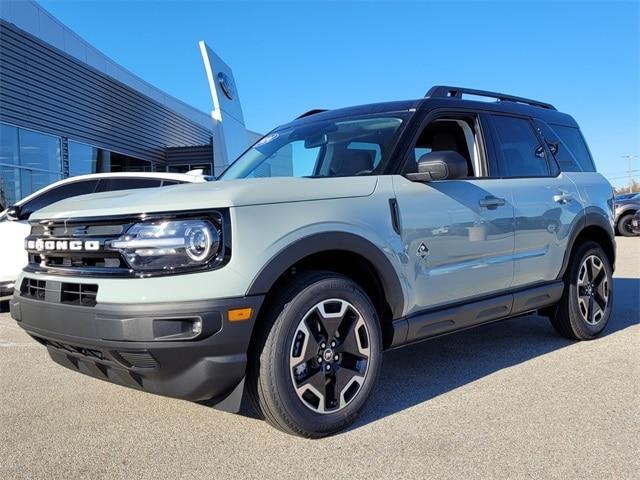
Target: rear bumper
[[135, 345]]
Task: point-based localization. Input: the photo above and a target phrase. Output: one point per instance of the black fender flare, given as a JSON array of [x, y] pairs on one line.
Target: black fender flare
[[325, 241], [591, 217]]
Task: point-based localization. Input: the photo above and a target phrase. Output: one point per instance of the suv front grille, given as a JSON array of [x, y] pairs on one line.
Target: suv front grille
[[98, 262], [82, 294], [106, 260]]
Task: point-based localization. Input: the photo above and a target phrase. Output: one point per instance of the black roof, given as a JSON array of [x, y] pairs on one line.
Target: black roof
[[443, 97]]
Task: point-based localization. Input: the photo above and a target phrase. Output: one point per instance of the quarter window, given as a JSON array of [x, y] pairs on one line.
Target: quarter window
[[522, 154], [575, 150]]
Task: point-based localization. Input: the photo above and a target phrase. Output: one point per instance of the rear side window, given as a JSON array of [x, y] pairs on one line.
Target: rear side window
[[575, 147], [113, 184], [519, 149], [56, 194]]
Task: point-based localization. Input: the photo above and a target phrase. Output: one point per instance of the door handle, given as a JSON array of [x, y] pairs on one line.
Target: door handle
[[562, 197], [491, 202]]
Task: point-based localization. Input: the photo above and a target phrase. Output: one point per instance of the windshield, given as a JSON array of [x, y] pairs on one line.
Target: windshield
[[333, 148]]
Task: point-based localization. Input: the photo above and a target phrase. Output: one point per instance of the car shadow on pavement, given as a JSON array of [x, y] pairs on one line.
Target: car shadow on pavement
[[415, 374]]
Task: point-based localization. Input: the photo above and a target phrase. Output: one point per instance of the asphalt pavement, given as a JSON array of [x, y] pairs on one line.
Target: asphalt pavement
[[508, 400]]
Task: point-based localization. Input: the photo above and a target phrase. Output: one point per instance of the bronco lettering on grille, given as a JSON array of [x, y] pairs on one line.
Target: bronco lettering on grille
[[62, 245]]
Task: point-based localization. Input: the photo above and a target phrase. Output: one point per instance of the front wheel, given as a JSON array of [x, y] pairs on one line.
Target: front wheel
[[318, 355], [585, 307]]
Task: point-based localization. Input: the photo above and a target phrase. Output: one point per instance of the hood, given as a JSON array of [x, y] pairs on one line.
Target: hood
[[627, 201], [219, 194]]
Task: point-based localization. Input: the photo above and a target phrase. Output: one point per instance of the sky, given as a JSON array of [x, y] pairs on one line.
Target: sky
[[289, 57]]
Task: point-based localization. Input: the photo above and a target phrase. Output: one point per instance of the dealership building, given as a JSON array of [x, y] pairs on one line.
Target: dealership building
[[66, 109]]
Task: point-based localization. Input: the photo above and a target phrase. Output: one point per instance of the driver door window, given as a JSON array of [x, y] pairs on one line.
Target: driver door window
[[447, 134]]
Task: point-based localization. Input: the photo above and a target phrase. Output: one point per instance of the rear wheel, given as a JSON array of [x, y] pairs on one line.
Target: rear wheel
[[318, 355], [587, 300], [624, 225]]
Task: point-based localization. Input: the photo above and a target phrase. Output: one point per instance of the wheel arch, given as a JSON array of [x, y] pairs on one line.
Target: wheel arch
[[596, 227], [344, 253], [629, 210]]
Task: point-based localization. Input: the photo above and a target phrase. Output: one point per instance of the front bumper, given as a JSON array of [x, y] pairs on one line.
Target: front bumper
[[128, 344], [6, 290]]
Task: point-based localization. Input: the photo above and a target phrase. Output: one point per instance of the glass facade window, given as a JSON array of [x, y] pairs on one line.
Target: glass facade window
[[9, 186], [184, 168], [28, 161], [84, 159], [124, 163], [39, 151], [8, 145], [31, 160]]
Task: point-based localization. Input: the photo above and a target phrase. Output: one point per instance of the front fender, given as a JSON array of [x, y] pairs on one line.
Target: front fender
[[624, 209], [333, 240]]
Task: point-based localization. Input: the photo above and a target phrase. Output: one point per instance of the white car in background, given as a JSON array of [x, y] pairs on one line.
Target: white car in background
[[14, 225]]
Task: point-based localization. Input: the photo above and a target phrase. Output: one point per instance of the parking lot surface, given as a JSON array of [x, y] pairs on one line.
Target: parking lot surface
[[507, 400]]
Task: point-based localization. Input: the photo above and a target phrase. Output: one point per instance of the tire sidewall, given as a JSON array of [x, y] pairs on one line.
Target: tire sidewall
[[579, 325], [621, 230], [286, 326]]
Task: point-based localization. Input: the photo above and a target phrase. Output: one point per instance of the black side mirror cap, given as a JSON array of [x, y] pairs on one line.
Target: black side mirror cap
[[441, 165]]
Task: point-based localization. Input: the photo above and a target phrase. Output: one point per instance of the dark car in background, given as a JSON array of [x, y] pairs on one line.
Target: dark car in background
[[627, 206]]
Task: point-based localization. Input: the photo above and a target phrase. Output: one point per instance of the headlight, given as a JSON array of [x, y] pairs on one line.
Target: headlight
[[170, 245]]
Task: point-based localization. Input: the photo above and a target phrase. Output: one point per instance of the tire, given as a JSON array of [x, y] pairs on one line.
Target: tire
[[585, 307], [624, 225], [283, 373]]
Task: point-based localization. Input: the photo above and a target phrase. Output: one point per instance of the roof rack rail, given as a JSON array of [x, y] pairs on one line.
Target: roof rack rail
[[312, 112], [442, 91]]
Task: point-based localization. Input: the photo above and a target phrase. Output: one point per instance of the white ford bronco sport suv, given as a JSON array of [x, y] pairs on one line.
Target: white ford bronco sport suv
[[333, 238]]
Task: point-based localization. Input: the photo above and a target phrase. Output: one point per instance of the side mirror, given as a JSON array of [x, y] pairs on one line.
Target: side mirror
[[441, 165], [13, 213]]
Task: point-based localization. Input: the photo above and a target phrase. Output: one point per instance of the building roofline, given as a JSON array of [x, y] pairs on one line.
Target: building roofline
[[31, 17]]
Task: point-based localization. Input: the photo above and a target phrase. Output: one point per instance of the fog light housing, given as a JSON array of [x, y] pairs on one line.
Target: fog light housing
[[196, 327]]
